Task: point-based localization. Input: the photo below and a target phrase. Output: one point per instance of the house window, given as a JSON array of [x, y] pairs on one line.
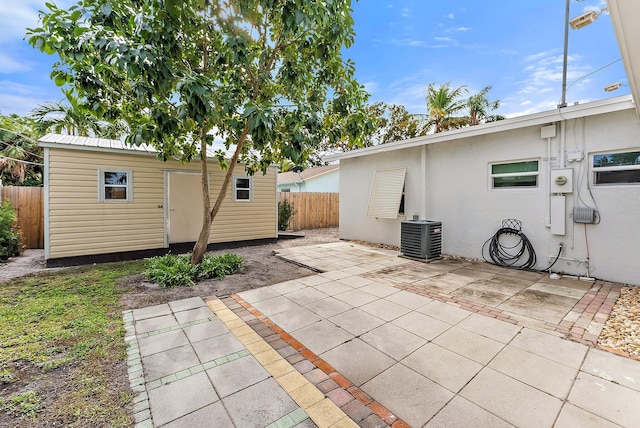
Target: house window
[[386, 199], [616, 168], [514, 174], [115, 185], [242, 189]]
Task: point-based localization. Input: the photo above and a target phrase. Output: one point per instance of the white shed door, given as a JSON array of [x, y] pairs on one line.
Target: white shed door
[[185, 207]]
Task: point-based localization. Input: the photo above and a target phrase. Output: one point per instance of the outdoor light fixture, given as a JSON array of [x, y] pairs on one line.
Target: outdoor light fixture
[[575, 23], [586, 18], [612, 87]]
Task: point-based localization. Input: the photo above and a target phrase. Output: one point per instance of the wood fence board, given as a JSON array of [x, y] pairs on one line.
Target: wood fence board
[[312, 210], [28, 203]]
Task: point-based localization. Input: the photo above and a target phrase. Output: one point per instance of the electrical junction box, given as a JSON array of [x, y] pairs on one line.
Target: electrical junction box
[[548, 131], [562, 180]]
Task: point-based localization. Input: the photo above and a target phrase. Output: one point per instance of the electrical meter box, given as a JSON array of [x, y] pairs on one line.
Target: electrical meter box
[[562, 180]]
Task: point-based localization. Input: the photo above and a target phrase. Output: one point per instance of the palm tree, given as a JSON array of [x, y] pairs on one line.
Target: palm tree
[[443, 105], [480, 108], [73, 118], [20, 156]]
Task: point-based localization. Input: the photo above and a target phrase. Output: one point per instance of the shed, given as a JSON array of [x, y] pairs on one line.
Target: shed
[[106, 201], [571, 176], [318, 179]]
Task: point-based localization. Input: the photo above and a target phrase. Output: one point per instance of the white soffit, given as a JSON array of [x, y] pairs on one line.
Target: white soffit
[[608, 105], [625, 17]]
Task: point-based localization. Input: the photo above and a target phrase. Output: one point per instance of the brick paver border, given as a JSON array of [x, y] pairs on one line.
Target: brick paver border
[[358, 405], [582, 324]]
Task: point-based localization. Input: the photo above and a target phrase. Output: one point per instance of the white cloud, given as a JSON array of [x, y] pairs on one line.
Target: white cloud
[[418, 43], [443, 39], [451, 16], [12, 65], [405, 12], [17, 88], [18, 104], [17, 16], [371, 87]]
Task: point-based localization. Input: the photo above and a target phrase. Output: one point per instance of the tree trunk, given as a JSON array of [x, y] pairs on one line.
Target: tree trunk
[[209, 214], [203, 238]]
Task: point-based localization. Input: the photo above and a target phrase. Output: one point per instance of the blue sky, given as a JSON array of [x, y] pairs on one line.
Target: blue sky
[[403, 45]]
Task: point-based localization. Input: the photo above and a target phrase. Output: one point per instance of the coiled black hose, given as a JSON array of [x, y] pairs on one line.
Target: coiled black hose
[[521, 255]]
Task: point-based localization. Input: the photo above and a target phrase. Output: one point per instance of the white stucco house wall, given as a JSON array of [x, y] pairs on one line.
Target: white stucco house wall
[[319, 179], [473, 178]]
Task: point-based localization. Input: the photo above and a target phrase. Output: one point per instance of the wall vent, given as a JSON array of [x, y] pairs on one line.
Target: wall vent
[[421, 239], [584, 215]]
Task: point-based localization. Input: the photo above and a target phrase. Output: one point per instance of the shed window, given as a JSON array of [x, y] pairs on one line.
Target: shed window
[[242, 189], [616, 168], [514, 174], [115, 185], [386, 199]]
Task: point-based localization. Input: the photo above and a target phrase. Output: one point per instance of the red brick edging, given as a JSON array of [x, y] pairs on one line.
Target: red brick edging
[[358, 405]]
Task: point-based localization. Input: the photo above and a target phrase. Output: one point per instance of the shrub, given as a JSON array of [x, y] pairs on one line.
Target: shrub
[[171, 270], [9, 238], [285, 212], [219, 266]]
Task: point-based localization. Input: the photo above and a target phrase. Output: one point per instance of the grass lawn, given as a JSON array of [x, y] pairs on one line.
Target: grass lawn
[[62, 358]]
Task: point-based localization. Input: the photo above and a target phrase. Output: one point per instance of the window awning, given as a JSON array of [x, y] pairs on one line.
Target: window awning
[[386, 193]]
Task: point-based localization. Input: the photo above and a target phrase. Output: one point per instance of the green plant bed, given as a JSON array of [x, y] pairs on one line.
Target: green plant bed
[[285, 212], [171, 270], [9, 238]]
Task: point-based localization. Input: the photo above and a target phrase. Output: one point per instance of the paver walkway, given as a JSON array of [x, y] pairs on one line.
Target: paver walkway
[[345, 342]]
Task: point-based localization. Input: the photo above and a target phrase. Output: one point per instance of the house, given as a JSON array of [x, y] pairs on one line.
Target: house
[[571, 176], [106, 201], [318, 179]]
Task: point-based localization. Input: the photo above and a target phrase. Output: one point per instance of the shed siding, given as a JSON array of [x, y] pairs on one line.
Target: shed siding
[[79, 224]]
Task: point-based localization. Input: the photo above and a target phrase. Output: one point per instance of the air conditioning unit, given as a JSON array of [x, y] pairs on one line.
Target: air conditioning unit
[[421, 239]]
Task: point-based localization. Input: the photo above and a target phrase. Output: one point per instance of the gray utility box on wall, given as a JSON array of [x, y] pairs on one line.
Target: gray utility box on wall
[[421, 239]]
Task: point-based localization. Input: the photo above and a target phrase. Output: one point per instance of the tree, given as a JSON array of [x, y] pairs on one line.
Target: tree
[[266, 75], [479, 108], [394, 123], [443, 105], [20, 157], [73, 118]]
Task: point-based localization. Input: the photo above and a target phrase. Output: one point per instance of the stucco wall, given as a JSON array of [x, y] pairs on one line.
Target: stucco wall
[[329, 182], [457, 191]]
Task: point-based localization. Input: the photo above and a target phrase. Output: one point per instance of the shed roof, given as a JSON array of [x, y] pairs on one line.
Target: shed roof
[[608, 105], [101, 144], [291, 177]]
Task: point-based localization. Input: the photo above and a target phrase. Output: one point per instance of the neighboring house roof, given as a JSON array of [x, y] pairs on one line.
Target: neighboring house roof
[[103, 144], [624, 17], [608, 105], [305, 175]]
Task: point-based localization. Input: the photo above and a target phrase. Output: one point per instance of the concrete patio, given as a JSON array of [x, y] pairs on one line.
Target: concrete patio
[[353, 347]]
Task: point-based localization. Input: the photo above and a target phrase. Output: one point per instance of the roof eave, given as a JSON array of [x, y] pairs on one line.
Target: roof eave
[[608, 105]]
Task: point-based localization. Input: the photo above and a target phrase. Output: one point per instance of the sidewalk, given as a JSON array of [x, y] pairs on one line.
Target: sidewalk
[[344, 348]]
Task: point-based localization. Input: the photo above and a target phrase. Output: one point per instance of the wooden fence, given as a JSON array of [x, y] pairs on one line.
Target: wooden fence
[[312, 210], [28, 203]]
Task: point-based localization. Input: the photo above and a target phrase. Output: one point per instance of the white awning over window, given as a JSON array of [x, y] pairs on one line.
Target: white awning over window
[[386, 193]]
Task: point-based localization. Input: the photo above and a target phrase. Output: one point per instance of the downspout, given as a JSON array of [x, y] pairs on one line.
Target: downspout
[[423, 183], [547, 222], [563, 142]]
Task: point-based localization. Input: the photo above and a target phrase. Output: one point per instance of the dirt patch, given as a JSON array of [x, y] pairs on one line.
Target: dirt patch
[[262, 268]]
